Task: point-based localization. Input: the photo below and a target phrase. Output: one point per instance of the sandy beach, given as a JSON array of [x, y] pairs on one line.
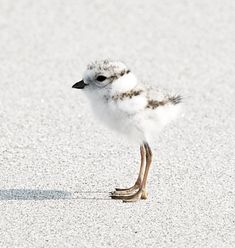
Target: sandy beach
[[58, 163]]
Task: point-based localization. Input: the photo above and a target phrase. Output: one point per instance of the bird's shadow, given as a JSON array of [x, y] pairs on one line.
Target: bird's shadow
[[92, 195], [38, 194]]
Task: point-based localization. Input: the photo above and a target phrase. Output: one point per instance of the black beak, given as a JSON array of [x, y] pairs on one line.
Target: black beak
[[79, 85]]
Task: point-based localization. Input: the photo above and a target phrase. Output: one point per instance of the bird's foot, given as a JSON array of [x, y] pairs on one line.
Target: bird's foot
[[140, 194], [144, 195], [127, 191], [135, 186]]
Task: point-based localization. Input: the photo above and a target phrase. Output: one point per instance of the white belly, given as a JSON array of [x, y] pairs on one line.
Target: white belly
[[140, 125]]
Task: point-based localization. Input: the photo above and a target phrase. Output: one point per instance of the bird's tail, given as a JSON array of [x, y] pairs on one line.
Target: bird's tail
[[170, 111], [175, 99]]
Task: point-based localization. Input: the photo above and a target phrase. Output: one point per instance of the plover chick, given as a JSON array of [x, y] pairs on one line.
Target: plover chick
[[124, 104]]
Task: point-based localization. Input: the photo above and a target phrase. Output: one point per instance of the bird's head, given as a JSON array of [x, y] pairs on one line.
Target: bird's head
[[102, 74]]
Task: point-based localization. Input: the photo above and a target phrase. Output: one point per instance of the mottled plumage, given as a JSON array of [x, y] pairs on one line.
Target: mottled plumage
[[127, 106]]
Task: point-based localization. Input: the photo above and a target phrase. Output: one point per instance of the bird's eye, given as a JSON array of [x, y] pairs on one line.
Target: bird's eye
[[100, 78]]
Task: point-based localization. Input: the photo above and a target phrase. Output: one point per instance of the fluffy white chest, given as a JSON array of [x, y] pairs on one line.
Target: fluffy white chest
[[127, 116], [115, 113]]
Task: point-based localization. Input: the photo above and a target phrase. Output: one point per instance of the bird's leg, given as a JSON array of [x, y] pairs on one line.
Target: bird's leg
[[136, 186], [141, 193], [149, 157]]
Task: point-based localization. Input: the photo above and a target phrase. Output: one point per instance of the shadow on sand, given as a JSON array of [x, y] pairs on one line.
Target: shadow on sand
[[29, 194], [37, 195], [92, 195]]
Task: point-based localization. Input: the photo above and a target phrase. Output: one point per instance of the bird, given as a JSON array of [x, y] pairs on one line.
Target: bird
[[139, 112]]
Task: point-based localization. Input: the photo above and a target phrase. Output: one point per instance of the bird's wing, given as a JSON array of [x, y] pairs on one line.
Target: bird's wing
[[159, 97], [140, 98]]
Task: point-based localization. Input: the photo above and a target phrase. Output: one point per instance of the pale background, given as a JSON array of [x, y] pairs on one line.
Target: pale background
[[57, 164]]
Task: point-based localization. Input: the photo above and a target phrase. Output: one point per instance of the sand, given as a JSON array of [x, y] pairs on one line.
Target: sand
[[58, 163]]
